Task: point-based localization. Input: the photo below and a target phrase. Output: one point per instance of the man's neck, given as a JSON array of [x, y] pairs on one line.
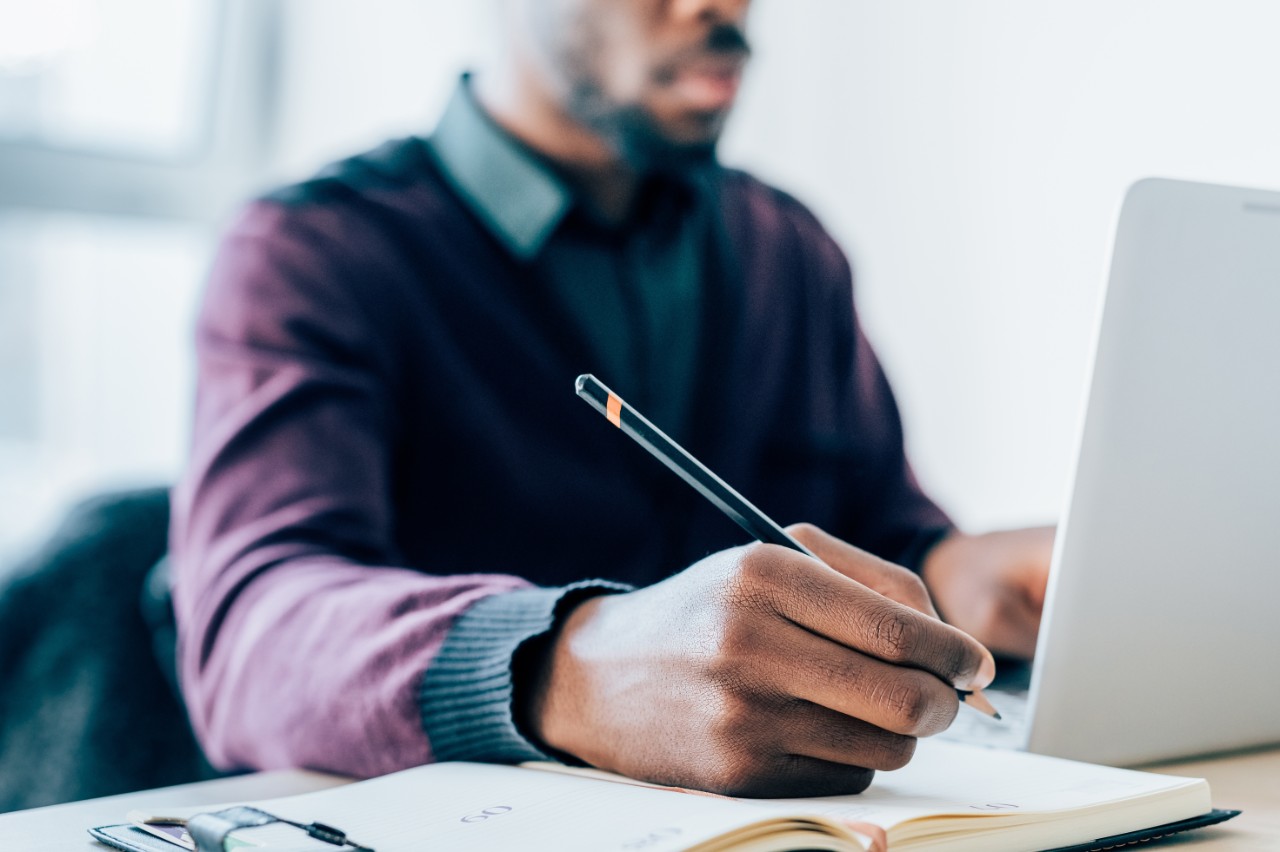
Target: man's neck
[[606, 184]]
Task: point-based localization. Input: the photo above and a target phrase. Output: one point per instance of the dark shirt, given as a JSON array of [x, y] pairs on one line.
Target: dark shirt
[[392, 486], [632, 289]]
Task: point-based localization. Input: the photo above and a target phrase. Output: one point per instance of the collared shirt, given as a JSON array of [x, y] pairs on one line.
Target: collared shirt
[[634, 291]]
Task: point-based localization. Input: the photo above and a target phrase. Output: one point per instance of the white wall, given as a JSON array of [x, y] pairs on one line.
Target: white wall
[[969, 155], [354, 74]]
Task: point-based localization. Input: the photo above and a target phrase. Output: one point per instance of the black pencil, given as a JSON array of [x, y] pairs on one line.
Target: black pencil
[[706, 483]]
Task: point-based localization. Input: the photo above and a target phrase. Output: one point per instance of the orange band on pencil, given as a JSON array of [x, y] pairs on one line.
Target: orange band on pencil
[[613, 411]]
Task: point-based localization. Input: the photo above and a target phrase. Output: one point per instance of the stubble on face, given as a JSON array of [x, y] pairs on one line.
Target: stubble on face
[[658, 99]]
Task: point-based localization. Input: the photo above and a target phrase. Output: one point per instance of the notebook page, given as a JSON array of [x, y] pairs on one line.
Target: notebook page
[[947, 777], [979, 790], [477, 806], [951, 788]]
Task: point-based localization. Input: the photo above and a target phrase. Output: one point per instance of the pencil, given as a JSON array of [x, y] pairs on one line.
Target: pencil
[[706, 483]]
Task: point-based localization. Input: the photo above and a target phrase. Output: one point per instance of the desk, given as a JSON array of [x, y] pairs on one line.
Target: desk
[[1247, 782], [62, 828], [1250, 782]]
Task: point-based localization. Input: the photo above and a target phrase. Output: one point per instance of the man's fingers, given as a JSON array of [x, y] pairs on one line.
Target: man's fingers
[[796, 775], [892, 581], [849, 684], [820, 733], [847, 612]]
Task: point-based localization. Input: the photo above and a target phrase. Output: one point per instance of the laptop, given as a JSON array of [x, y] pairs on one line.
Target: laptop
[[1161, 631]]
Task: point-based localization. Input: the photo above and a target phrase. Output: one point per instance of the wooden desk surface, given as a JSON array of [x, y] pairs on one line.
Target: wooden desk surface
[[1248, 782]]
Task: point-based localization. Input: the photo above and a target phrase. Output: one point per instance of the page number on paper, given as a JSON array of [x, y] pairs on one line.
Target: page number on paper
[[995, 806], [487, 814]]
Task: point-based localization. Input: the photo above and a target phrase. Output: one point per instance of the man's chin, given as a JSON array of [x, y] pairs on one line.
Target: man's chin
[[670, 157], [648, 141], [648, 146]]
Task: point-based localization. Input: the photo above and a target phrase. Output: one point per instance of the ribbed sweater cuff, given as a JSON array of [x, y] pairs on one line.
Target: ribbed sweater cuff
[[467, 691]]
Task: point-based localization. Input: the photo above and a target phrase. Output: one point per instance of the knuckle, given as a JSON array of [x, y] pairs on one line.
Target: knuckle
[[733, 723], [908, 705], [734, 650], [895, 633], [752, 578], [740, 639]]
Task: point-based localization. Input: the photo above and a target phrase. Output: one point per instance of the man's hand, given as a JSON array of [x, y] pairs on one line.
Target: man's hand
[[757, 671], [992, 586]]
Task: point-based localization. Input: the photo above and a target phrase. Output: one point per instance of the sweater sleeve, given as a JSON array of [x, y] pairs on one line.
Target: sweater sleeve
[[837, 440], [303, 638], [901, 523], [885, 510]]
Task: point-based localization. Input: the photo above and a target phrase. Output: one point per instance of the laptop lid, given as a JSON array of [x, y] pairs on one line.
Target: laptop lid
[[1161, 635]]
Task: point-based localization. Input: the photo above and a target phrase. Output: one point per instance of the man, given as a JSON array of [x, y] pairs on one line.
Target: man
[[402, 538]]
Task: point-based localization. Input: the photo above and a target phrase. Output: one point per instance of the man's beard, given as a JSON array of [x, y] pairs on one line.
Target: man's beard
[[636, 136], [634, 133]]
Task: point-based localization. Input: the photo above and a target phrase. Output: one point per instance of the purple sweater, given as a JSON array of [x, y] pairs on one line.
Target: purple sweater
[[392, 481]]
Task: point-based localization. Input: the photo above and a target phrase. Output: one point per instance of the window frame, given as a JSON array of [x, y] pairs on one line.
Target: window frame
[[230, 151]]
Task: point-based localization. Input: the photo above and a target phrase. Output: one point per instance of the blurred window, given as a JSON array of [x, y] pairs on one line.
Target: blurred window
[[128, 128], [126, 76], [95, 365]]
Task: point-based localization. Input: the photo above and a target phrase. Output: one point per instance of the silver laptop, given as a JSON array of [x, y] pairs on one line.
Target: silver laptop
[[1161, 634]]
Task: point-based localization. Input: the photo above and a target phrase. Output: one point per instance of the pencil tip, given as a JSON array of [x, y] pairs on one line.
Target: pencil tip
[[979, 702], [998, 716]]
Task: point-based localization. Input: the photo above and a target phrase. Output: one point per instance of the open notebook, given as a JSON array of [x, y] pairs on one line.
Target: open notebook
[[952, 796]]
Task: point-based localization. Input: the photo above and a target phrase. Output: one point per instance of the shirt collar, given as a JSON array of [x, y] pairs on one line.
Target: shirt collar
[[518, 198]]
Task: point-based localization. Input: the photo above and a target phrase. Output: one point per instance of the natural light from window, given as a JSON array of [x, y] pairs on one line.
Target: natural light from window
[[122, 76], [97, 296]]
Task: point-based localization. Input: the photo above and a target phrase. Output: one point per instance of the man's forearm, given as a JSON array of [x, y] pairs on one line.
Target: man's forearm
[[319, 662]]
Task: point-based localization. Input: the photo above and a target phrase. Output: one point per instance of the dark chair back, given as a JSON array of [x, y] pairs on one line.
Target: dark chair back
[[85, 707]]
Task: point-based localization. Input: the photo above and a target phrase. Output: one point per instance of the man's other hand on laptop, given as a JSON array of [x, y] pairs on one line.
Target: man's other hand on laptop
[[992, 586]]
